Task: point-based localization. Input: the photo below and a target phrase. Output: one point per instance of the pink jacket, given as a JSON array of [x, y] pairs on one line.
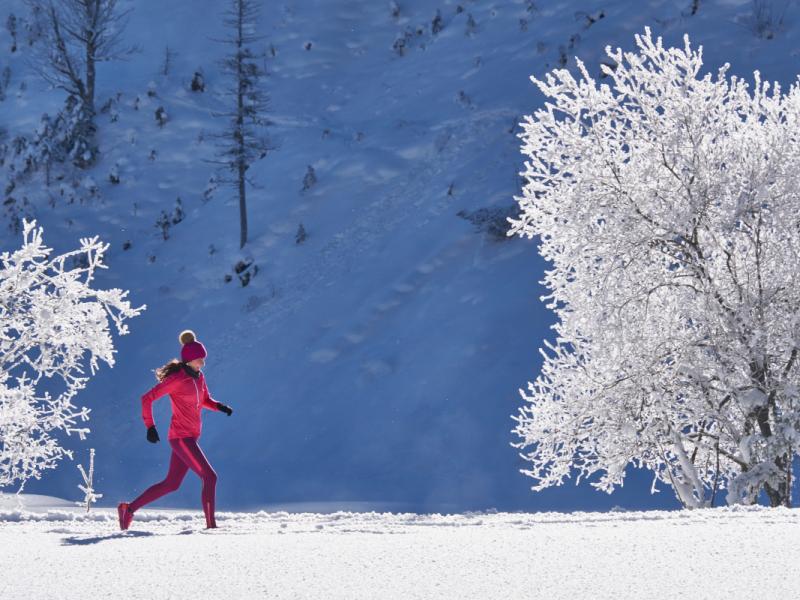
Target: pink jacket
[[189, 397]]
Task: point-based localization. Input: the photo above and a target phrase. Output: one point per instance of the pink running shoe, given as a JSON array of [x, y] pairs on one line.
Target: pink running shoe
[[125, 515]]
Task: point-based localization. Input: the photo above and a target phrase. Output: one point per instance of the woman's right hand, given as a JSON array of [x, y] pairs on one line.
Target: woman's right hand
[[152, 434]]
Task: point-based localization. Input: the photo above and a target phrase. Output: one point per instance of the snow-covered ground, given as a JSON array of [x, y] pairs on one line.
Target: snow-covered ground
[[63, 553]]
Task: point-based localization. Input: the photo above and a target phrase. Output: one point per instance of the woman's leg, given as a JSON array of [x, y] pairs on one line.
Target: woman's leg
[[193, 456], [177, 471]]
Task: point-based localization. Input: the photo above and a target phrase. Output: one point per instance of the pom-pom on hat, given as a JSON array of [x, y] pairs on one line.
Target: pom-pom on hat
[[192, 349]]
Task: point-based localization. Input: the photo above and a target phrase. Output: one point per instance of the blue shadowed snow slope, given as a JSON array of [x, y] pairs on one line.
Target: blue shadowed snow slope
[[379, 361]]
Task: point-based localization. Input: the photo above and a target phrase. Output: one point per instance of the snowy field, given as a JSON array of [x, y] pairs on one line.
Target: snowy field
[[60, 552]]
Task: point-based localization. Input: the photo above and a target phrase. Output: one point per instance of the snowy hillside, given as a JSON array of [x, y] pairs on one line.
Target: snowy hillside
[[698, 554], [377, 363]]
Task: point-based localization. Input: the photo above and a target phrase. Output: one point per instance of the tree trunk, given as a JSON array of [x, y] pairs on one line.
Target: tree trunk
[[92, 18], [241, 151], [242, 208], [91, 76], [780, 495]]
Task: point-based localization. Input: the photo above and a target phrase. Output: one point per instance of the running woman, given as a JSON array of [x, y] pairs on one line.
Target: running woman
[[184, 382]]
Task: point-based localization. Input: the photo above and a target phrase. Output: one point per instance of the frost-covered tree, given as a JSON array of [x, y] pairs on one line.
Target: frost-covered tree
[[667, 203], [53, 326], [244, 141]]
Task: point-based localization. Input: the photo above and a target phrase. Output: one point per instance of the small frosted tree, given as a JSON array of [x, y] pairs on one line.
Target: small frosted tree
[[90, 495], [668, 205], [53, 325]]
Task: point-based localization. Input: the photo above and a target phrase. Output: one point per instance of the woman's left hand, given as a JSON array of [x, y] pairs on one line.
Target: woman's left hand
[[225, 408]]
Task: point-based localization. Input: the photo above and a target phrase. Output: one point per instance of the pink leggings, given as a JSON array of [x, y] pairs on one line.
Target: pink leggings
[[186, 454]]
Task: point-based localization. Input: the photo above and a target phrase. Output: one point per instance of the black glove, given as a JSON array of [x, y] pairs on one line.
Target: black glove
[[223, 408], [152, 434]]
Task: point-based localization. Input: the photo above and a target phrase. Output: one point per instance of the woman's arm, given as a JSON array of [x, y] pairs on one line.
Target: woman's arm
[[208, 401], [160, 389]]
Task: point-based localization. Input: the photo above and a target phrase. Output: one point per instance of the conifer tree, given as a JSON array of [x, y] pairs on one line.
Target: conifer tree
[[243, 142]]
